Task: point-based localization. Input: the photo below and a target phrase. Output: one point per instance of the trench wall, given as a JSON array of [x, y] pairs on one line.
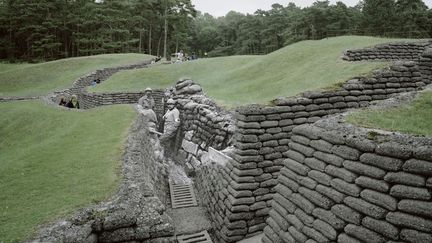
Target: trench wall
[[81, 83], [90, 100], [236, 209], [340, 183], [239, 193], [102, 74], [203, 123], [264, 135], [204, 127], [137, 212], [393, 51]]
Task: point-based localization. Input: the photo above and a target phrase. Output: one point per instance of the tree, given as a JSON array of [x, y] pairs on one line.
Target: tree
[[142, 21], [176, 14], [342, 20], [378, 17], [203, 34], [250, 36], [294, 31], [274, 24], [412, 18], [52, 29]]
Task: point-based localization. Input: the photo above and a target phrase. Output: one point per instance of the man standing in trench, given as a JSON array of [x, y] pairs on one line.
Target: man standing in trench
[[145, 107], [171, 125], [147, 99]]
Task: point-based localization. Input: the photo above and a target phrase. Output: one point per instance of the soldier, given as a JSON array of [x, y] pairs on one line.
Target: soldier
[[171, 125], [149, 114], [147, 99], [149, 122]]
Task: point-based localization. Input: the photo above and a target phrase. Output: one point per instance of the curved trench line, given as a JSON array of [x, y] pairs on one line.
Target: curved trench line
[[137, 211], [79, 85], [246, 115]]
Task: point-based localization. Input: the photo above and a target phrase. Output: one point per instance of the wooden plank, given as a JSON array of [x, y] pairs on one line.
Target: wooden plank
[[182, 196], [201, 237]]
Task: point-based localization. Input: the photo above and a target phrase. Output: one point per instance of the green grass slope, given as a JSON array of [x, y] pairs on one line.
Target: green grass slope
[[415, 118], [54, 161], [39, 79], [6, 67], [237, 80]]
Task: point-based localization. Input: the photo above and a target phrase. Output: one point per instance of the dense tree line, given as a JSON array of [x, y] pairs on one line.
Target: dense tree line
[[52, 29], [266, 31]]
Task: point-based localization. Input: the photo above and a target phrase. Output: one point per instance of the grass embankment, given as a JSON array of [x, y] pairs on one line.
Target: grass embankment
[[54, 161], [5, 67], [237, 80], [414, 118], [39, 79]]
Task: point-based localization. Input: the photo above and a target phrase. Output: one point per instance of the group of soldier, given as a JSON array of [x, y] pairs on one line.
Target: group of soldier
[[171, 119]]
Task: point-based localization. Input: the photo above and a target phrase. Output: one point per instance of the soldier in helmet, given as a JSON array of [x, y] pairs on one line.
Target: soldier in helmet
[[171, 124], [147, 99], [145, 107]]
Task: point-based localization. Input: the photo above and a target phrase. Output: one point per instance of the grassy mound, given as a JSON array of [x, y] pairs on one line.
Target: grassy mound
[[39, 79], [415, 118], [237, 80], [54, 161]]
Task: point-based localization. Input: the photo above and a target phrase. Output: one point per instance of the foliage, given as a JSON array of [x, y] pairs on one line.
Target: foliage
[[54, 161], [414, 118], [238, 80], [267, 31], [39, 79], [53, 29]]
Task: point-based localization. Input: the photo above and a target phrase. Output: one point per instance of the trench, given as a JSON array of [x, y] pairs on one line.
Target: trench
[[264, 170]]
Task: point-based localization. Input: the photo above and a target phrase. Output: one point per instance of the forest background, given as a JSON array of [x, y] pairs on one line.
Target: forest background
[[42, 30]]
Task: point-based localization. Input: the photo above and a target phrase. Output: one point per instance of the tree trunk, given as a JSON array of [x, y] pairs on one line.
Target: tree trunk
[[166, 34], [10, 39], [176, 51], [140, 38], [66, 54], [78, 44], [159, 43], [150, 41]]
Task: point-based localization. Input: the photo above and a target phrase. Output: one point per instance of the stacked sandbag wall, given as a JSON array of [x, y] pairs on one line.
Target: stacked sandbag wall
[[203, 123], [206, 127], [393, 51], [79, 88], [102, 74], [345, 184], [425, 65], [264, 132], [216, 182], [239, 194], [91, 100]]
